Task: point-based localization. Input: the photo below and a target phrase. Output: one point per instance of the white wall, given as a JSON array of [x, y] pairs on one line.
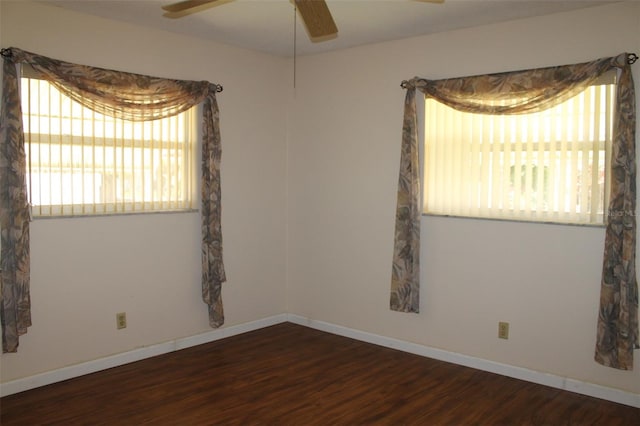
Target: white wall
[[343, 166], [86, 270]]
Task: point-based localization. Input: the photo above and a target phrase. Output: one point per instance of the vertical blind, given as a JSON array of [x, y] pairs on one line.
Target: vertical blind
[[81, 162], [546, 166]]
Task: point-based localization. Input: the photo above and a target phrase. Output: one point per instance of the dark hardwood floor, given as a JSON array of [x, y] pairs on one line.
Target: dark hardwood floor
[[292, 375]]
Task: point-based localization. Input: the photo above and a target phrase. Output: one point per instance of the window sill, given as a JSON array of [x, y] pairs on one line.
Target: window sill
[[495, 219], [133, 213]]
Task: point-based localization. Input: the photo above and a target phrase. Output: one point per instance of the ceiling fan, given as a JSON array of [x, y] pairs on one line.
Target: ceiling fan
[[314, 13]]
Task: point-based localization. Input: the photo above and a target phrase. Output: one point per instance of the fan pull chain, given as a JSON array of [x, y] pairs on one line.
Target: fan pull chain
[[295, 41]]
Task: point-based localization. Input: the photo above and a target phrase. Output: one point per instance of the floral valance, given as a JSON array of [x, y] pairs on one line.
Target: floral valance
[[129, 96], [516, 92]]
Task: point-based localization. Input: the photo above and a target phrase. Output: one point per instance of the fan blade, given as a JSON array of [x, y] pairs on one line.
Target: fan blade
[[184, 5], [317, 18]]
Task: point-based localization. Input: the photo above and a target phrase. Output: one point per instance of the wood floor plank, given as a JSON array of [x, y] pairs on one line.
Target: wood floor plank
[[292, 375]]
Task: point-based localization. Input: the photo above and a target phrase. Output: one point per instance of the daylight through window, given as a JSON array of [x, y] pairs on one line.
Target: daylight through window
[[550, 166], [82, 163]]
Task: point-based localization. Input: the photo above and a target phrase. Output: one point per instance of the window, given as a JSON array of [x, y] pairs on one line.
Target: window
[[83, 163], [549, 166]]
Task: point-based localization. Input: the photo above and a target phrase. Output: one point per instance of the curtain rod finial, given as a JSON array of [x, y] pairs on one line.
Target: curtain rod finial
[[632, 58], [6, 52], [219, 88]]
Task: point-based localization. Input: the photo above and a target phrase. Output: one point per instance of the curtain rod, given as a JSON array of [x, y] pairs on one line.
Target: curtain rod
[[631, 59], [7, 53]]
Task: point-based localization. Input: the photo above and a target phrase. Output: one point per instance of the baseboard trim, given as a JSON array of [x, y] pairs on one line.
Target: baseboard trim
[[558, 382], [571, 385], [70, 372]]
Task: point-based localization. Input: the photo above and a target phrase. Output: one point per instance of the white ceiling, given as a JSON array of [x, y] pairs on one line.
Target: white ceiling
[[268, 25]]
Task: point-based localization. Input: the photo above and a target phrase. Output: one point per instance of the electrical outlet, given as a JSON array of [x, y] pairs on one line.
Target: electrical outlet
[[503, 330], [121, 320]]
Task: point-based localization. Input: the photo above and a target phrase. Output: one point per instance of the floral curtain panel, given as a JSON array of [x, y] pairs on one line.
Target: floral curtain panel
[[15, 302], [524, 92], [213, 274], [405, 275], [129, 96]]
